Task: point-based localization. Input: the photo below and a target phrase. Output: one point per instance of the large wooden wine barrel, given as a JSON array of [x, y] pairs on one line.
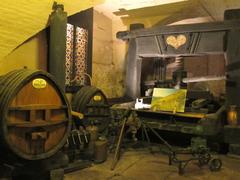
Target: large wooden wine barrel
[[92, 102], [35, 115]]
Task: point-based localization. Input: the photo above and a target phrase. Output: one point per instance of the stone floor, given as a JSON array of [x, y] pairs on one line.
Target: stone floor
[[142, 165]]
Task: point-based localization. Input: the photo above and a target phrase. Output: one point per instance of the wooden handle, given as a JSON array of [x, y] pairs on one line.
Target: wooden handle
[[77, 114]]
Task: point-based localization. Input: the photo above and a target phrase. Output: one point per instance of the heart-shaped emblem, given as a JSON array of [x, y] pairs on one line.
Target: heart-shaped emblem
[[176, 42]]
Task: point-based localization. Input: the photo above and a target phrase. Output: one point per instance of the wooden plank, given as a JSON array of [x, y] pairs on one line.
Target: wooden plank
[[36, 124], [119, 143], [96, 115], [37, 107], [185, 28], [185, 114]]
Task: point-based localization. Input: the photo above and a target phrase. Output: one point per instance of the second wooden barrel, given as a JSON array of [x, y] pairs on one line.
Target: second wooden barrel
[[35, 115], [92, 102]]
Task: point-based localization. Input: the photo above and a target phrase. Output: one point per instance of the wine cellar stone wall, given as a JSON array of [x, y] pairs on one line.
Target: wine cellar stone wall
[[103, 68]]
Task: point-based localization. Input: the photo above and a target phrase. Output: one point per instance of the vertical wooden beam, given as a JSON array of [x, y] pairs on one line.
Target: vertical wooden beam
[[32, 115], [233, 62], [47, 115]]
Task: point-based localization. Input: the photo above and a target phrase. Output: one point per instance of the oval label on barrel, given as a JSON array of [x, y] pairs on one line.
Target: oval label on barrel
[[39, 83], [97, 98]]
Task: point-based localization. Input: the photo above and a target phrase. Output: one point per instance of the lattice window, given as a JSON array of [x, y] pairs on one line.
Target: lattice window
[[69, 54], [76, 55]]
